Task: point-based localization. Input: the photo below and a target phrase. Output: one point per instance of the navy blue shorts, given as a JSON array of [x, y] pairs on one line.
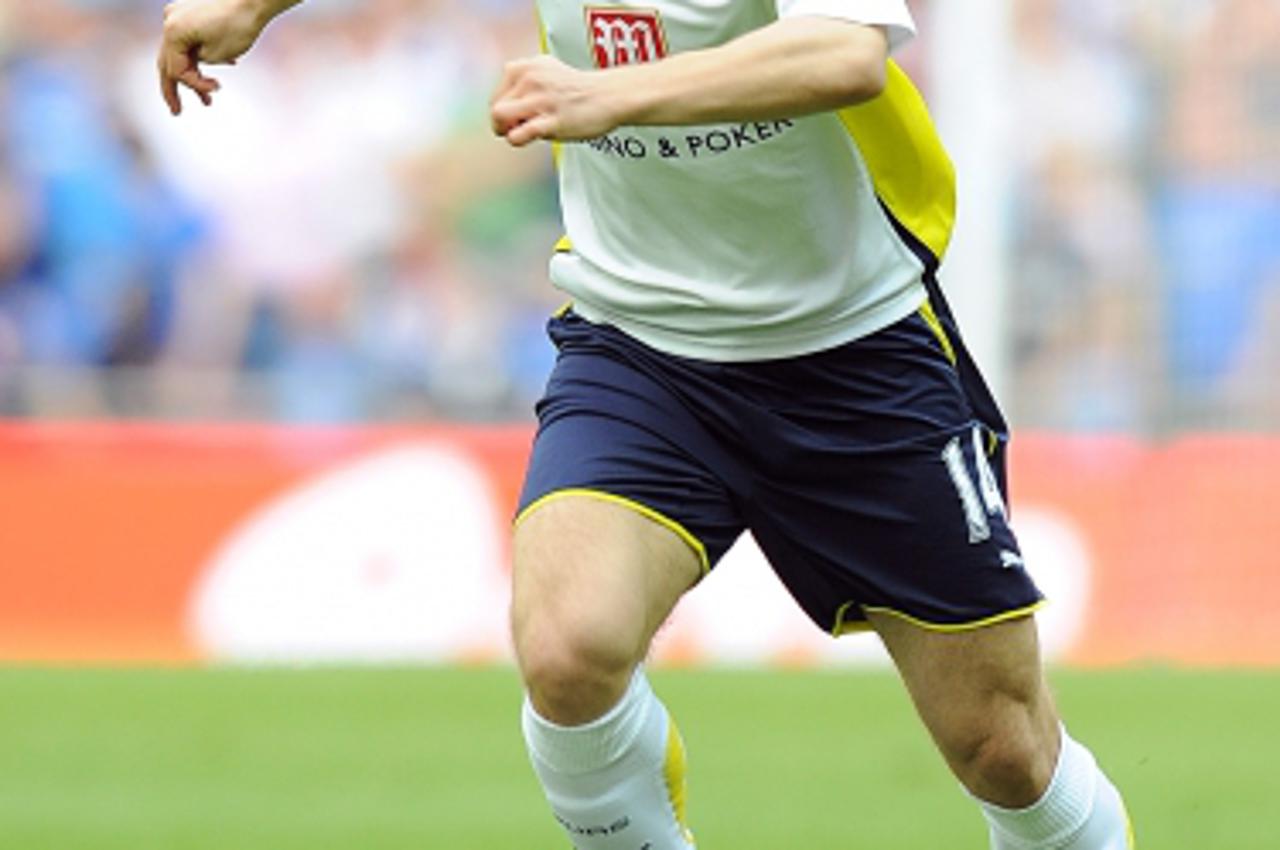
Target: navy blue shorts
[[871, 475]]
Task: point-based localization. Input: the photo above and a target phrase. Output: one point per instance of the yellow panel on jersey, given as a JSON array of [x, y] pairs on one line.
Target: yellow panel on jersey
[[912, 173]]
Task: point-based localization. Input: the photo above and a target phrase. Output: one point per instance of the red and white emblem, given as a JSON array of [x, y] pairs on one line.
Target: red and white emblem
[[622, 36]]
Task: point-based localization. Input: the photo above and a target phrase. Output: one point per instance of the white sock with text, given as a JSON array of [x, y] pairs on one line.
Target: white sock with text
[[618, 782]]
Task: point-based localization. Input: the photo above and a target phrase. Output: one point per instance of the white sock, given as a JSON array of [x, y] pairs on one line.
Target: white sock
[[616, 783], [1081, 810]]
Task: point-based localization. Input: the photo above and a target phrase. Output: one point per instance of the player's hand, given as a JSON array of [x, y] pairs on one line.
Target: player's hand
[[543, 98], [216, 32]]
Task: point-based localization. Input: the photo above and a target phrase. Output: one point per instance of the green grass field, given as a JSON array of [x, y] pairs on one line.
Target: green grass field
[[399, 758]]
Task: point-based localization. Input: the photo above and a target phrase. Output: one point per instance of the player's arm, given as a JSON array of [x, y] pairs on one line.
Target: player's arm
[[792, 67], [213, 31]]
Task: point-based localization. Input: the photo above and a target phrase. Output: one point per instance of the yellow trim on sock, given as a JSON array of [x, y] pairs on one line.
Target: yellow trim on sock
[[675, 769], [842, 628], [562, 309], [644, 510], [935, 324]]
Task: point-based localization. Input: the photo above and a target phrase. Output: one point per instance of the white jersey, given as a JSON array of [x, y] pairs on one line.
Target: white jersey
[[746, 241]]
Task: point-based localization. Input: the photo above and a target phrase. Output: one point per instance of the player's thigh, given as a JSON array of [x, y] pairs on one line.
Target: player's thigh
[[982, 694], [594, 579]]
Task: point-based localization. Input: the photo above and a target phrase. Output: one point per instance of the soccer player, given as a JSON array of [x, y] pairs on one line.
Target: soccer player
[[755, 206]]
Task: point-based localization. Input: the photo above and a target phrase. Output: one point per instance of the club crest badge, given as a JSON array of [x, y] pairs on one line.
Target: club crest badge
[[622, 36]]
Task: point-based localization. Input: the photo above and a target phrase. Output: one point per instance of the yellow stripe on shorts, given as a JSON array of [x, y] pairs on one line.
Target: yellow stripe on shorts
[[645, 511]]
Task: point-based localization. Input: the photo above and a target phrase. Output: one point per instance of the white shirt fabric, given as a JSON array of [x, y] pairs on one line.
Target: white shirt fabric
[[728, 242]]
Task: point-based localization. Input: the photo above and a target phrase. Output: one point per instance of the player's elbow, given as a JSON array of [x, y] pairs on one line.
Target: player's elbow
[[857, 59], [862, 81], [860, 73]]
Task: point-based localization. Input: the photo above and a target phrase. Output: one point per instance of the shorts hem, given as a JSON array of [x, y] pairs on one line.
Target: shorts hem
[[843, 627], [699, 549]]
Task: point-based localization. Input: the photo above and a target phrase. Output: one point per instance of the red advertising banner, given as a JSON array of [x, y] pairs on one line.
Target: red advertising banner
[[179, 544], [106, 530], [1181, 539]]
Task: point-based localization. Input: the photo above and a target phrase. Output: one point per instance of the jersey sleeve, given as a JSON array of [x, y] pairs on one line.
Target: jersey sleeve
[[893, 15]]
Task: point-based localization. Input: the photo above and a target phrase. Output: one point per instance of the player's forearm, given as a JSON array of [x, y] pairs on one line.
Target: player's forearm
[[793, 67]]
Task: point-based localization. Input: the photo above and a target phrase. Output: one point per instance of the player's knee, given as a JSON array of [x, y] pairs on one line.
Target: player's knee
[[1008, 759], [1008, 771], [573, 669]]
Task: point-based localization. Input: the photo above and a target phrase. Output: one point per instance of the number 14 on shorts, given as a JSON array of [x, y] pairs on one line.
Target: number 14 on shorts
[[980, 500]]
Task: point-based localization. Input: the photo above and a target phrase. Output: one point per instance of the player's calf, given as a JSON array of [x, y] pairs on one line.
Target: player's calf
[[982, 694]]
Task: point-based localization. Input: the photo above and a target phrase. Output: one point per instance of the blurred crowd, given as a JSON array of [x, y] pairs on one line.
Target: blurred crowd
[[1145, 290], [341, 239]]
